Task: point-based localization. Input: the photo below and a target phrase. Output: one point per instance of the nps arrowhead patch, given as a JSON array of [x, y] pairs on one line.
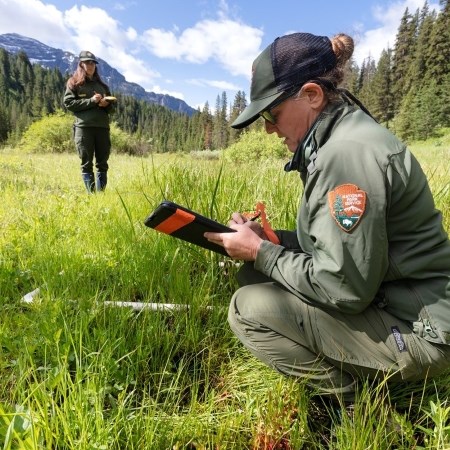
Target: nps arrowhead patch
[[347, 205]]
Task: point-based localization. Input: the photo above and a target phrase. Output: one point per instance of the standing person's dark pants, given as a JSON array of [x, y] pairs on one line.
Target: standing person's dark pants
[[93, 142]]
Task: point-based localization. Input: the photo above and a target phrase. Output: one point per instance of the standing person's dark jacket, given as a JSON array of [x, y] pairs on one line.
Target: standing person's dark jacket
[[87, 113]]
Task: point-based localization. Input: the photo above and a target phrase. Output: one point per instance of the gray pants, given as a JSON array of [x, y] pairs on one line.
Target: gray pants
[[329, 349]]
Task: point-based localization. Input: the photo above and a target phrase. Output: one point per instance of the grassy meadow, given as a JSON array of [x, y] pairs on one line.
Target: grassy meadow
[[78, 373]]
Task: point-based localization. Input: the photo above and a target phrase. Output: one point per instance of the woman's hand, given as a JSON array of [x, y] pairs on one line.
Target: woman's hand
[[245, 242], [103, 103], [97, 97], [240, 219]]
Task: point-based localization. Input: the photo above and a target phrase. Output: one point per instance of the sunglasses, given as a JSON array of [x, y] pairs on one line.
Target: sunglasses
[[267, 114]]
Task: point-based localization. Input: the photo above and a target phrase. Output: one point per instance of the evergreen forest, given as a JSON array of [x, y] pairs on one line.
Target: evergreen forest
[[407, 90]]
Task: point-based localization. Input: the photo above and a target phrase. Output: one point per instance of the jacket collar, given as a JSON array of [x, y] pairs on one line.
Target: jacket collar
[[317, 136]]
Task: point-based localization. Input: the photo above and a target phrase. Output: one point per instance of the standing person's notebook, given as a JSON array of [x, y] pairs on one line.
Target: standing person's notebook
[[182, 223]]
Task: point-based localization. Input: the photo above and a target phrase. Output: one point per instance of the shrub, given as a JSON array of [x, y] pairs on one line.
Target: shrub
[[125, 143], [51, 134], [206, 154], [54, 134], [255, 145]]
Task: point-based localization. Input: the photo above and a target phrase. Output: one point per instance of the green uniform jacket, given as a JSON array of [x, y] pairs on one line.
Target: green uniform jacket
[[381, 241], [87, 112]]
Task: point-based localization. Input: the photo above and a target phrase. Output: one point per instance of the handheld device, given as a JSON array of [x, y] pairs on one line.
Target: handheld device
[[183, 223]]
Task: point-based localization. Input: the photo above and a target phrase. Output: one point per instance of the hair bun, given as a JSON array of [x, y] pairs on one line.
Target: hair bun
[[343, 47]]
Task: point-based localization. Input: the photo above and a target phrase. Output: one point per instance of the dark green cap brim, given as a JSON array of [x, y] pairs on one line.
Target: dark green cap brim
[[251, 112]]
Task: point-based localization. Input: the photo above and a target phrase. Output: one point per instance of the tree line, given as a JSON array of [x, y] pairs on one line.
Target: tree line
[[408, 90]]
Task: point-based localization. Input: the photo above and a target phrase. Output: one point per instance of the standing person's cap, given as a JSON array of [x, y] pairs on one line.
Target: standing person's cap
[[286, 64], [85, 55]]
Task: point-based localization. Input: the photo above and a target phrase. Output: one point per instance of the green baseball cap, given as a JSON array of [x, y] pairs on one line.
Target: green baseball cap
[[87, 56], [286, 64]]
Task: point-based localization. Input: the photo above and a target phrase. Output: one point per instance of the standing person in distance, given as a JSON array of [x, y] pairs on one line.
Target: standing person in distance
[[85, 97], [361, 289]]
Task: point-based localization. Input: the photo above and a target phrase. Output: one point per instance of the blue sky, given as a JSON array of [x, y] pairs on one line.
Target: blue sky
[[196, 49]]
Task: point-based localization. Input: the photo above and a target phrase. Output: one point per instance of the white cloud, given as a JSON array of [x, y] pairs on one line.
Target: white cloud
[[34, 19], [373, 42], [222, 85], [122, 6], [93, 29], [160, 90], [76, 29], [230, 43]]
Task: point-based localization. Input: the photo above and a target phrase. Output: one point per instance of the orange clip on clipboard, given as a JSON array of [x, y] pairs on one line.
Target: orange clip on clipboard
[[182, 223]]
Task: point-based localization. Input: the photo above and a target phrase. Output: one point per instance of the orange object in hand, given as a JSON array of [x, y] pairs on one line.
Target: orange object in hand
[[260, 211], [261, 207]]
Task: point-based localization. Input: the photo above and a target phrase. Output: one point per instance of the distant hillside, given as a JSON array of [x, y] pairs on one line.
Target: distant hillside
[[49, 57]]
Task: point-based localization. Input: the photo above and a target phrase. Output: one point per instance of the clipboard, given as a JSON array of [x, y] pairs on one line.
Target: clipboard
[[185, 224]]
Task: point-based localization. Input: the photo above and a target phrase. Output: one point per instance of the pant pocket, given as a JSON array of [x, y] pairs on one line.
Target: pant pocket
[[372, 340], [403, 344]]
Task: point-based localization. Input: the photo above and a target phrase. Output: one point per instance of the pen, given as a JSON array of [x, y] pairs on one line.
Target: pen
[[255, 217]]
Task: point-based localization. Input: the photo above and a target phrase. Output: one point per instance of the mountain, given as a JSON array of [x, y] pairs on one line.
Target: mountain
[[66, 62]]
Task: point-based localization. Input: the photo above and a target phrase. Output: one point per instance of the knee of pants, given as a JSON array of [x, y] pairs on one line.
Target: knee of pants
[[102, 166], [261, 303], [232, 320], [243, 317], [234, 310], [244, 303], [101, 159], [86, 158]]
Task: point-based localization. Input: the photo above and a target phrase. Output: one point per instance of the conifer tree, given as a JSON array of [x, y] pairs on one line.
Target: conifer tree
[[4, 124], [403, 53], [351, 75], [366, 92], [419, 67], [206, 124], [220, 123], [5, 76], [239, 104], [360, 78], [415, 116], [438, 64], [382, 107], [25, 75]]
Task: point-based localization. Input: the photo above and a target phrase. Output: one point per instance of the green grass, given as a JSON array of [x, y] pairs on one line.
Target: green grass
[[77, 374]]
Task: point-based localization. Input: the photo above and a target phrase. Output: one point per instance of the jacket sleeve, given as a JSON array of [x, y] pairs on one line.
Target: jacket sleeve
[[336, 269], [75, 104]]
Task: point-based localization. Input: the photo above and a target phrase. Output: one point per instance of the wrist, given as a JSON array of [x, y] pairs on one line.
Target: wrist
[[256, 248]]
